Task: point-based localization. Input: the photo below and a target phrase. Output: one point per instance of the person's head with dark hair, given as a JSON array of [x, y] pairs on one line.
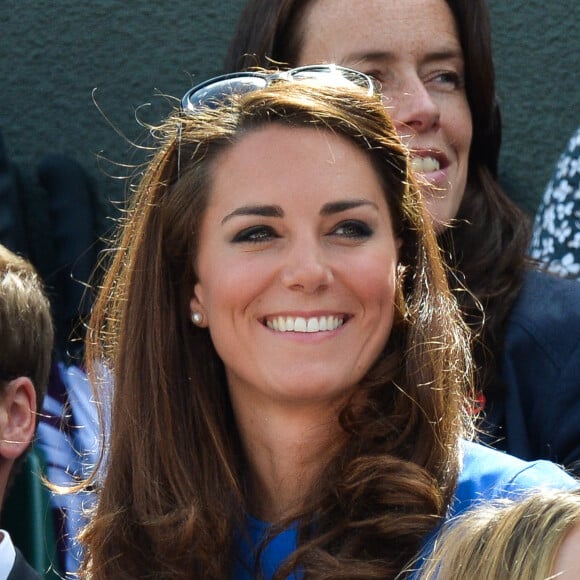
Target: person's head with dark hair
[[434, 61], [282, 342], [26, 339]]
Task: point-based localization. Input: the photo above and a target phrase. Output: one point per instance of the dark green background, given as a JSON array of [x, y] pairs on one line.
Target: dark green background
[[55, 52]]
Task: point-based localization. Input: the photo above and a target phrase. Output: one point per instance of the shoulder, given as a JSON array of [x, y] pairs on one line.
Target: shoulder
[[490, 474], [565, 166], [546, 315], [552, 293], [540, 368]]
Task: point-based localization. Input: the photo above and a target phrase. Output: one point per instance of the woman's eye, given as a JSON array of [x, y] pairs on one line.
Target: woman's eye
[[255, 234], [448, 80], [352, 229]]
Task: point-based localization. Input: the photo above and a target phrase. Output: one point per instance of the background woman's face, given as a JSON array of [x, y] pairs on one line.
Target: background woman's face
[[296, 266], [412, 47]]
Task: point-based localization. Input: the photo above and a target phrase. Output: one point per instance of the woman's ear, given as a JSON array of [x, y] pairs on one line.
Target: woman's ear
[[17, 417], [197, 311]]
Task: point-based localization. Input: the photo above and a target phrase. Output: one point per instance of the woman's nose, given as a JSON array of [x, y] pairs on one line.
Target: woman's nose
[[306, 268], [414, 107]]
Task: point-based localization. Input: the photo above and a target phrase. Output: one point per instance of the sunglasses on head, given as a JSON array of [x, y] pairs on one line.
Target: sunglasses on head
[[217, 90]]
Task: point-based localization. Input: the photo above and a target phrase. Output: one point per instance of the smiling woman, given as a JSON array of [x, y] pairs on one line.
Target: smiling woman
[[303, 240], [290, 369]]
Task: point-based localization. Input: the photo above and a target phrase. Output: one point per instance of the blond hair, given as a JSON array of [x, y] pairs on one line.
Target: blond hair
[[505, 540]]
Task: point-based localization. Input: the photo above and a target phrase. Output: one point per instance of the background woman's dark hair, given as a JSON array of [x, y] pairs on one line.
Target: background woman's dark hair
[[174, 489], [487, 247]]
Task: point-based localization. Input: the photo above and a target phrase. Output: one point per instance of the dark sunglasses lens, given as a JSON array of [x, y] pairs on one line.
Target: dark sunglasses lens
[[216, 92]]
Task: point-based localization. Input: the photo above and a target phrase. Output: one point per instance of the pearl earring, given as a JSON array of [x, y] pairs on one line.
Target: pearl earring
[[197, 318]]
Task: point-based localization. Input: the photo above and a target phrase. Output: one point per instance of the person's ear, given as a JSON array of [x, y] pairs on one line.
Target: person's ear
[[197, 311], [17, 417]]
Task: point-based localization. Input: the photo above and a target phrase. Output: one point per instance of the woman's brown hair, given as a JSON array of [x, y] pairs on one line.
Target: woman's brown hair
[[172, 498], [488, 245]]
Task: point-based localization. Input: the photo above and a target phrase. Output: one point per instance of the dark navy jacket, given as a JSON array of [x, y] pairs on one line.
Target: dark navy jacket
[[540, 415], [22, 569]]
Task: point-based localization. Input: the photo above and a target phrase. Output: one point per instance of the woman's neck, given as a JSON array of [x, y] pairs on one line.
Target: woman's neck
[[286, 450]]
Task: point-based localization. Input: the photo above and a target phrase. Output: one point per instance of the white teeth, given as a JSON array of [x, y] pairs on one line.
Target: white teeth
[[300, 324], [425, 164]]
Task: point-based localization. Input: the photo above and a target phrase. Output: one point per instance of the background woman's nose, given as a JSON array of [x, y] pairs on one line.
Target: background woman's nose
[[414, 107]]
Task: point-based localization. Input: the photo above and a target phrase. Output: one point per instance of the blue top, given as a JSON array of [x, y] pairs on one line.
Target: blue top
[[487, 474], [539, 416]]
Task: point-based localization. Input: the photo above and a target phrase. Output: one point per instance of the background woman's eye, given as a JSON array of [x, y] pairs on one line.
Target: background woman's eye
[[255, 234], [353, 229], [448, 79]]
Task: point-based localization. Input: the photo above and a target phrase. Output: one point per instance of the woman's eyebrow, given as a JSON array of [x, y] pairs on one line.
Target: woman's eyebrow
[[444, 55], [344, 205], [258, 210], [363, 57], [276, 211], [360, 57]]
